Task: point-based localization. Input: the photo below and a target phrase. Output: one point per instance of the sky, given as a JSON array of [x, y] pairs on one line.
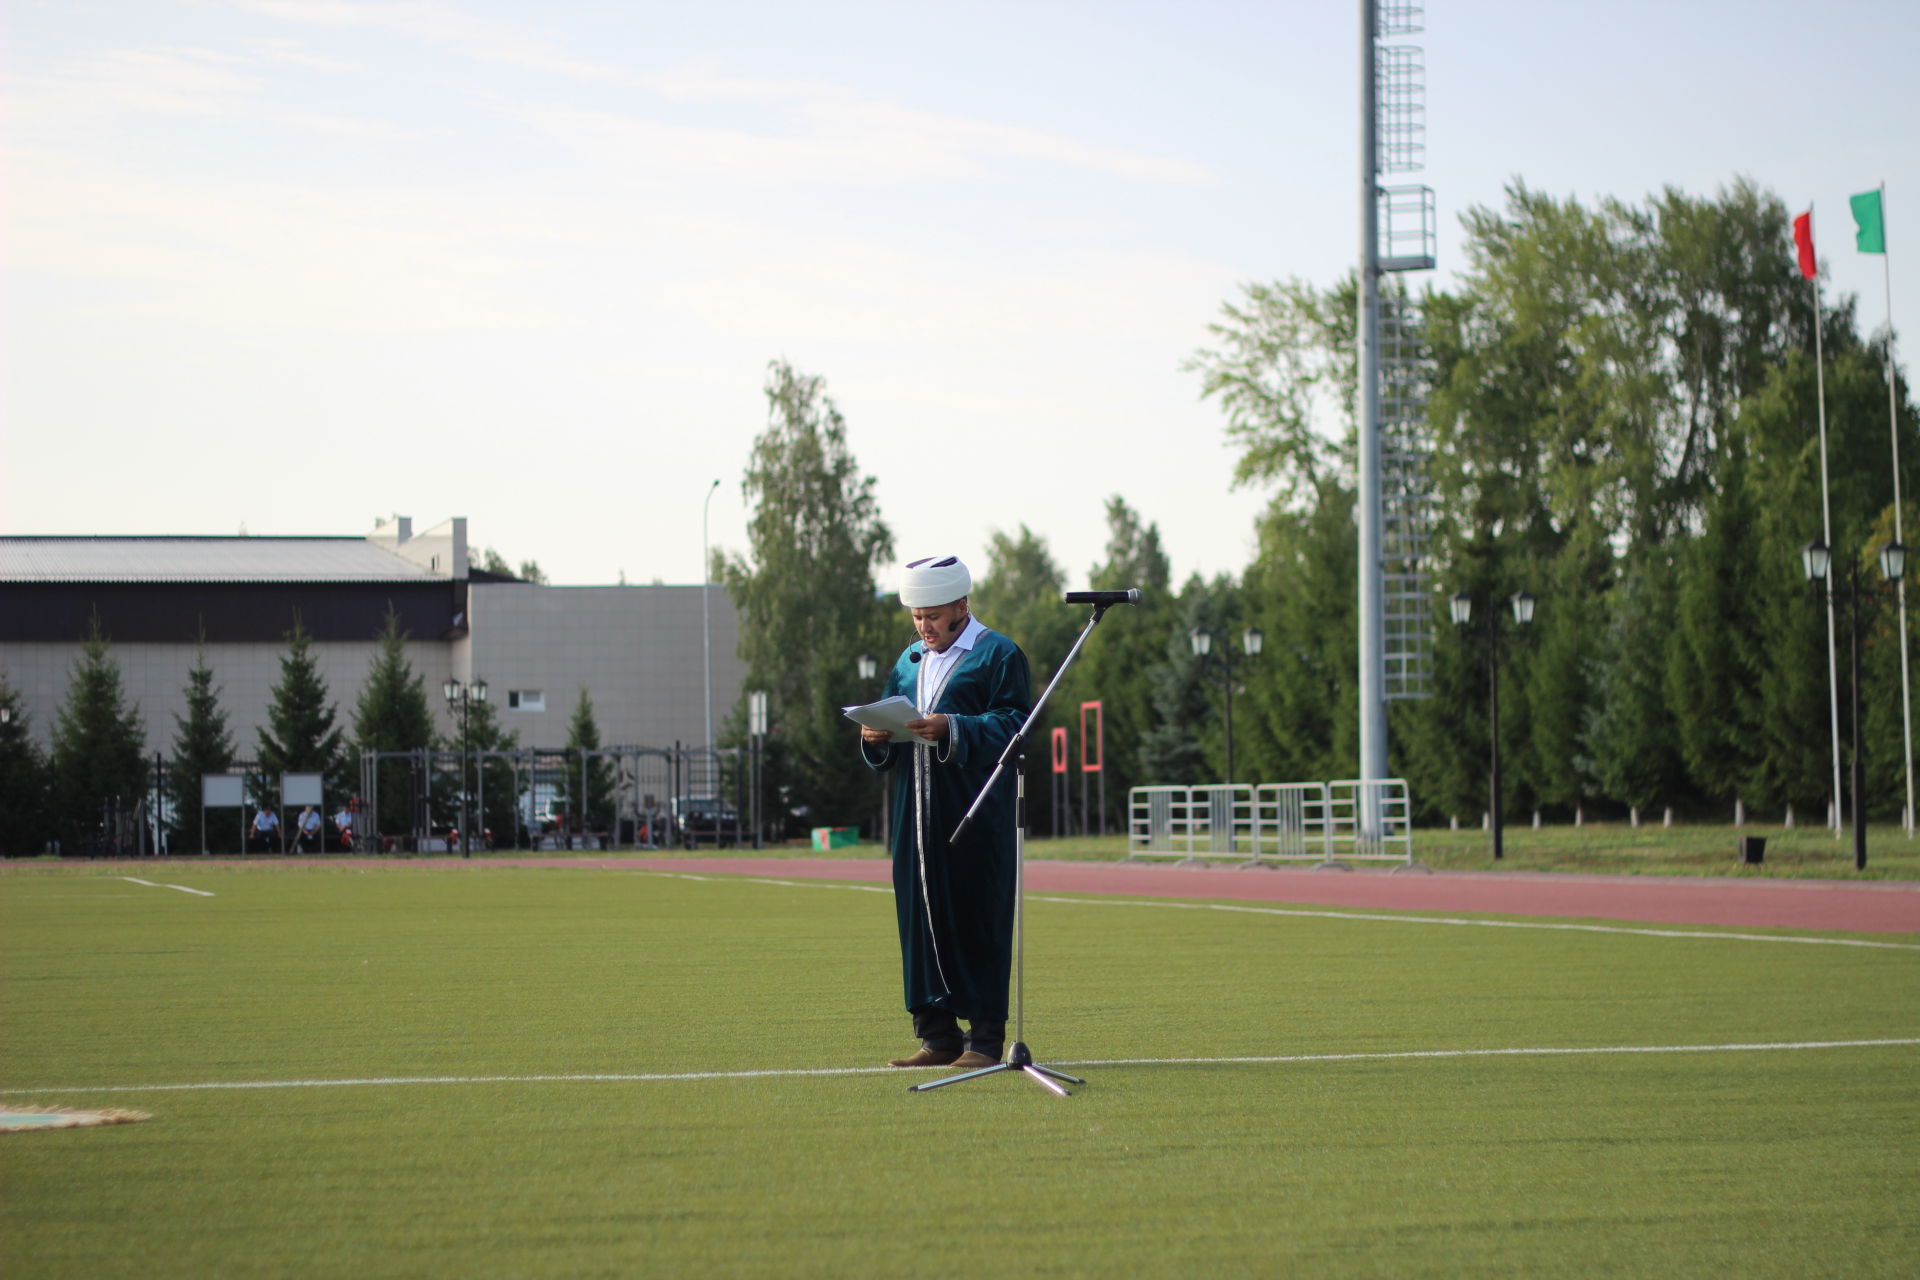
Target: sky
[[291, 266]]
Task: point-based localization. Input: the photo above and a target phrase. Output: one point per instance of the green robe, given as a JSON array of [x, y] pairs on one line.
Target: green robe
[[954, 902]]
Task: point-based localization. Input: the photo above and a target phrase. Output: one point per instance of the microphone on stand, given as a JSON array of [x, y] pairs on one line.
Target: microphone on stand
[[1130, 596]]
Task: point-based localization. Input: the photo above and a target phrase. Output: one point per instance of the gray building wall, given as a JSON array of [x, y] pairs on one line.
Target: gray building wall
[[638, 650]]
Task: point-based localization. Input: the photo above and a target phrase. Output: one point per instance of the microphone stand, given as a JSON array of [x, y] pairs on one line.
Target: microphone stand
[[1019, 1057]]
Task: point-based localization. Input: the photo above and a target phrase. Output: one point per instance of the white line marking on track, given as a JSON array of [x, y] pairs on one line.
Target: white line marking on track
[[182, 888], [1346, 915], [1486, 924], [799, 1072]]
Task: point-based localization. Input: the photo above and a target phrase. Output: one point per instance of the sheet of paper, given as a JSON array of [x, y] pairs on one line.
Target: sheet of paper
[[890, 714]]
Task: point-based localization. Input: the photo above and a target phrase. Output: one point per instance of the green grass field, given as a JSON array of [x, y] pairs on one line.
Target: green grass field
[[483, 989]]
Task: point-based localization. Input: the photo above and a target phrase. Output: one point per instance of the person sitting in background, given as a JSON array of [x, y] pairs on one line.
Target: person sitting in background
[[306, 833], [343, 828], [266, 831]]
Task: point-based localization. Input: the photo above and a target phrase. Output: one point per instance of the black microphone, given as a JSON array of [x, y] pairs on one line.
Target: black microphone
[[913, 657], [1130, 596]]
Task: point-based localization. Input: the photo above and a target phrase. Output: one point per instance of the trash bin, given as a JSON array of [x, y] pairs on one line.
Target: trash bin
[[1753, 850]]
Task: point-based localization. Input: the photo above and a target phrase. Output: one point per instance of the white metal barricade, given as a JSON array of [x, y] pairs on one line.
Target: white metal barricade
[[1326, 823], [1371, 821], [1292, 822], [1191, 823]]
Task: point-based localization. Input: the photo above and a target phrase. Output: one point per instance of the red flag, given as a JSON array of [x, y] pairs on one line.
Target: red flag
[[1803, 241]]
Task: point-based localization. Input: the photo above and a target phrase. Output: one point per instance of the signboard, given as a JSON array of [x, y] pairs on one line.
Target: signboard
[[1095, 737], [757, 712], [223, 791], [1060, 750], [300, 788]]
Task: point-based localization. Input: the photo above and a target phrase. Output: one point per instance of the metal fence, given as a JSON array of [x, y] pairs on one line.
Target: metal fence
[[1325, 823]]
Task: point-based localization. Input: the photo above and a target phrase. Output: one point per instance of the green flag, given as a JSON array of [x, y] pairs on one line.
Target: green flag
[[1870, 233]]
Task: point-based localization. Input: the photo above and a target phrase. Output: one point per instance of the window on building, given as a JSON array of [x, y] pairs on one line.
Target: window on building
[[526, 700]]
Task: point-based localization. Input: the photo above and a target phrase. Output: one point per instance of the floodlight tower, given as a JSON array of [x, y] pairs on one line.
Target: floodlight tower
[[1397, 234]]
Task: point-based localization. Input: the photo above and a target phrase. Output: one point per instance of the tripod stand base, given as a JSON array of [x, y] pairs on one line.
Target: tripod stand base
[[1018, 1059]]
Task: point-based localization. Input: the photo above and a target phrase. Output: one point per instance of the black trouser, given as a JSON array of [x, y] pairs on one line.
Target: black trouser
[[939, 1029]]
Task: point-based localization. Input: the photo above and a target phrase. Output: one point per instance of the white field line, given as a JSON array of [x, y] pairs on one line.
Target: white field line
[[1346, 915], [182, 888], [1486, 924], [797, 1072]]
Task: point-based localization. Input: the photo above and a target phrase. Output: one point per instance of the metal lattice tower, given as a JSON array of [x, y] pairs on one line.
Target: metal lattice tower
[[1397, 234], [1406, 504]]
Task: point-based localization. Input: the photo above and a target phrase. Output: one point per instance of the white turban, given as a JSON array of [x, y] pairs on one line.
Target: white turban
[[934, 581]]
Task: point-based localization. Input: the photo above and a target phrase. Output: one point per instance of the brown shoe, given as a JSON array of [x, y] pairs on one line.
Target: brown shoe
[[925, 1057], [972, 1061]]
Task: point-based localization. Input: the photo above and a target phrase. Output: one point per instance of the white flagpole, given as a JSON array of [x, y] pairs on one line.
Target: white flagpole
[[1826, 535], [1893, 425]]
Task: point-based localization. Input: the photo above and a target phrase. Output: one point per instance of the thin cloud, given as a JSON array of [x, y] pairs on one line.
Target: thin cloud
[[484, 39], [825, 137]]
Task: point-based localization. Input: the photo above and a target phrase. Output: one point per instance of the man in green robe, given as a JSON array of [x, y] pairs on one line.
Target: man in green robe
[[954, 901]]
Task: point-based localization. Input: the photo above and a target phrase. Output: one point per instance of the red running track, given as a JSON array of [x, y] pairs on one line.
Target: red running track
[[1879, 907], [1876, 907]]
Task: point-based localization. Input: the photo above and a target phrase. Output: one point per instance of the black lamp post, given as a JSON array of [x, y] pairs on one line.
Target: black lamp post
[[1817, 560], [1461, 606], [869, 667], [1250, 641], [464, 696]]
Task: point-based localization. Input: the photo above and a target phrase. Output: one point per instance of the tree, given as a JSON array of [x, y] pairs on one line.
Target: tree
[[392, 714], [201, 745], [1284, 369], [300, 736], [806, 599], [98, 743], [595, 810], [1117, 666], [1185, 745], [491, 561], [499, 803], [1630, 728], [23, 781], [1018, 593], [1300, 720]]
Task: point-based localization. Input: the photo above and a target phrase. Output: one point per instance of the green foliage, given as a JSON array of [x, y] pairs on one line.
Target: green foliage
[[202, 744], [1018, 593], [1630, 730], [392, 714], [300, 735], [25, 828], [1300, 718], [1284, 365], [499, 803], [1622, 407], [98, 741], [491, 561], [1117, 665], [806, 598], [583, 734]]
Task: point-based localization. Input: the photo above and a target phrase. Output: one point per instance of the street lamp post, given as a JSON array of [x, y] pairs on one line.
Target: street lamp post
[[1250, 641], [464, 696], [757, 738], [1461, 606], [868, 666], [706, 617], [1817, 560]]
